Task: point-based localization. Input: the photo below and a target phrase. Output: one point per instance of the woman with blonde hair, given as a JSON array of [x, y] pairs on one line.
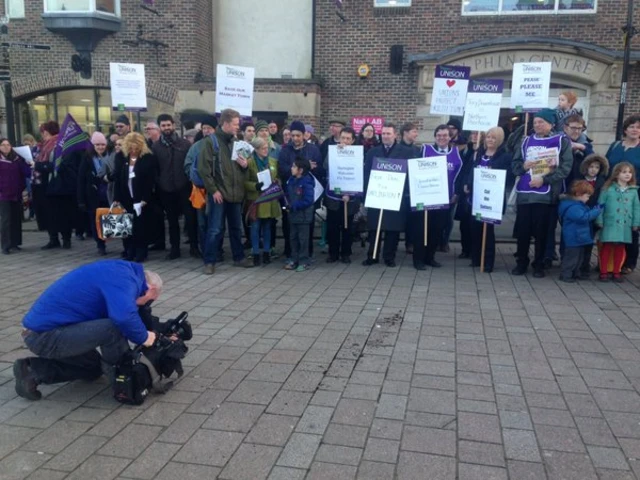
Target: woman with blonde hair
[[136, 170]]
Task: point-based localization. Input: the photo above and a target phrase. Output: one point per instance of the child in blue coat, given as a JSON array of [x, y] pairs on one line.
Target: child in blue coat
[[577, 229], [300, 189]]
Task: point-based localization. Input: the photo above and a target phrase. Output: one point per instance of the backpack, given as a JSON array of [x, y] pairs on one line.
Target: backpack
[[194, 176]]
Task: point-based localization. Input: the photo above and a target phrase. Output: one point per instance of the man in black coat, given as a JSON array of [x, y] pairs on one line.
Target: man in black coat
[[392, 222]]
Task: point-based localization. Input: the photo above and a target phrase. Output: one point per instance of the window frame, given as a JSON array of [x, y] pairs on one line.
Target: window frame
[[92, 9], [377, 4], [555, 11], [9, 12]]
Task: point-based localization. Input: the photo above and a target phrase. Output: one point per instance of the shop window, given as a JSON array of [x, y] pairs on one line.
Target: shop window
[[15, 8], [391, 3], [526, 7], [104, 6]]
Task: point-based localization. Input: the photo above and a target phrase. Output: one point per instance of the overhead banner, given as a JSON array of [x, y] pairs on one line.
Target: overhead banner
[[428, 183], [450, 87], [234, 89], [482, 110], [530, 86], [488, 194], [358, 122], [386, 184], [346, 165], [128, 87]]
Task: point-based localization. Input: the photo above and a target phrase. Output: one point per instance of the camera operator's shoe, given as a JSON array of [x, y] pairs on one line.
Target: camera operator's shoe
[[26, 384]]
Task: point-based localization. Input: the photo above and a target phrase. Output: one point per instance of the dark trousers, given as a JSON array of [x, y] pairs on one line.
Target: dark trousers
[[390, 246], [10, 224], [632, 251], [408, 229], [436, 221], [475, 228], [69, 353], [550, 249], [274, 234], [464, 215], [174, 204], [39, 202], [532, 220], [61, 216], [92, 213], [338, 237], [299, 233], [585, 268], [286, 232], [571, 262]]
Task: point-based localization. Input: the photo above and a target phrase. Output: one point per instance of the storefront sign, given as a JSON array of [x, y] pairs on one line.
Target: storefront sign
[[450, 90], [346, 165], [488, 194], [482, 110], [428, 183], [358, 122], [128, 87], [234, 89], [386, 184], [530, 86]]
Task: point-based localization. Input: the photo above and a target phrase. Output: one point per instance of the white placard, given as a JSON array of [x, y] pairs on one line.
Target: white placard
[[318, 189], [264, 177], [450, 86], [482, 110], [234, 89], [24, 152], [488, 194], [386, 184], [530, 86], [428, 183], [128, 87], [346, 169]]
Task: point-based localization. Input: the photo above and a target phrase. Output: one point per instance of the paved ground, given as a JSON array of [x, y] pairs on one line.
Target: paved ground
[[347, 372]]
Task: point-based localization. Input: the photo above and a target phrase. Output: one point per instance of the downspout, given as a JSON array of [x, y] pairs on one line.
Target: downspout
[[314, 4]]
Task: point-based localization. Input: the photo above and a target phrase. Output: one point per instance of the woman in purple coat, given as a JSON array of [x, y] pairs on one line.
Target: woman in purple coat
[[13, 174]]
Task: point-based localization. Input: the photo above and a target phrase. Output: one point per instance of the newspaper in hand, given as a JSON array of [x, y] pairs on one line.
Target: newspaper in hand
[[546, 161], [241, 149]]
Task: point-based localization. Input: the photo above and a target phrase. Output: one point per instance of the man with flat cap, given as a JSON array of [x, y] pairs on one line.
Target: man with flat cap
[[335, 127]]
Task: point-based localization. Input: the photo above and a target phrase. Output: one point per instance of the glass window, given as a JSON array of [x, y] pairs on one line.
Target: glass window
[[105, 6], [489, 7], [15, 8], [391, 3]]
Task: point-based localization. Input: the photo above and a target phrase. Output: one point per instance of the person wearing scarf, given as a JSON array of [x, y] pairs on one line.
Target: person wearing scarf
[[49, 132], [367, 138], [13, 174], [93, 180]]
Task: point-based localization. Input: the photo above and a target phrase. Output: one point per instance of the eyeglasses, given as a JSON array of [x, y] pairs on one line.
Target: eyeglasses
[[576, 129], [99, 144], [146, 129]]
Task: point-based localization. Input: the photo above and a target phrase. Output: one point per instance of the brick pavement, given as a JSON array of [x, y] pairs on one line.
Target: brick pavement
[[347, 373]]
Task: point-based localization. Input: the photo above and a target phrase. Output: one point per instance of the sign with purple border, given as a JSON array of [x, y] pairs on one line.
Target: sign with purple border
[[450, 86], [386, 184], [482, 110]]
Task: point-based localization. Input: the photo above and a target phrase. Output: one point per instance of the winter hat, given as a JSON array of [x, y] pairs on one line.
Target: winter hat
[[546, 114], [309, 128], [337, 122], [209, 120], [455, 123], [98, 137], [298, 126], [260, 124], [123, 119], [190, 133]]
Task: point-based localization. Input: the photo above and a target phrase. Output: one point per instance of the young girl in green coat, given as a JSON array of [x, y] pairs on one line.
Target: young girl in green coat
[[621, 216]]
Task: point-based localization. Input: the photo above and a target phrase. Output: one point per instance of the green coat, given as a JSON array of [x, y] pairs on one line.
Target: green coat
[[267, 209], [621, 213]]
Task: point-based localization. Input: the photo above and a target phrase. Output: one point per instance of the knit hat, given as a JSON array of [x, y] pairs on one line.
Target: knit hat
[[298, 126], [210, 120], [455, 123], [337, 121], [192, 132], [260, 124], [309, 128], [123, 119], [546, 114], [98, 137]]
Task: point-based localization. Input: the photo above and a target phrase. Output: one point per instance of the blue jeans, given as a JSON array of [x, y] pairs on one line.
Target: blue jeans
[[215, 230], [69, 353], [261, 226]]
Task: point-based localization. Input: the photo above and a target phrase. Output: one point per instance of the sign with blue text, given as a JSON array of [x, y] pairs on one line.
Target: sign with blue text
[[450, 90], [234, 89]]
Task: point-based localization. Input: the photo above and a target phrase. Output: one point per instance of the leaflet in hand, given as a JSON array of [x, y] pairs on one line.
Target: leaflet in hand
[[546, 159], [241, 149], [264, 177]]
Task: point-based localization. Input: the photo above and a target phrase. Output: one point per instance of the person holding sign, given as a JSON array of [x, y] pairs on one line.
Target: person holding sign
[[341, 206], [491, 155], [542, 162]]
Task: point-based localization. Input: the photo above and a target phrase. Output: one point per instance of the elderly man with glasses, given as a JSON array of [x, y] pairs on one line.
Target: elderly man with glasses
[[152, 133]]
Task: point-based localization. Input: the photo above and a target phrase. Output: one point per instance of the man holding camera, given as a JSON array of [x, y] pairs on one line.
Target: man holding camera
[[93, 306]]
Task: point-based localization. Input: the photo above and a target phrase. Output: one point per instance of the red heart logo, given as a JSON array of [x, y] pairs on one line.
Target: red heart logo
[[451, 83]]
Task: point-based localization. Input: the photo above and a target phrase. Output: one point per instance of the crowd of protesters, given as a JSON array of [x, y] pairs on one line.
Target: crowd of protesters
[[164, 176]]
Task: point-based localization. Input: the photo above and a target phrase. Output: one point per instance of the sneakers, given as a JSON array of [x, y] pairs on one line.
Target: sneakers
[[209, 269], [274, 254], [26, 384], [618, 278], [244, 263], [290, 265], [302, 268], [604, 277]]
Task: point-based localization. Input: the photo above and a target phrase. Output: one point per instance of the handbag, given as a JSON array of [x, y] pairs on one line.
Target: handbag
[[113, 222]]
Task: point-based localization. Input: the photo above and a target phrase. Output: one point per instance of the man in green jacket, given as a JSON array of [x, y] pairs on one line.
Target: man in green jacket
[[224, 180]]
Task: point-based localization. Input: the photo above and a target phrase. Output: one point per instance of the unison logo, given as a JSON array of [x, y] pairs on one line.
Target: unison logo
[[382, 165], [485, 87], [488, 176], [127, 69], [531, 68], [448, 72], [234, 72]]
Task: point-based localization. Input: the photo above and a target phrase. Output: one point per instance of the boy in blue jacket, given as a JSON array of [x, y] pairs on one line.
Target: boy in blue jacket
[[577, 228], [300, 188]]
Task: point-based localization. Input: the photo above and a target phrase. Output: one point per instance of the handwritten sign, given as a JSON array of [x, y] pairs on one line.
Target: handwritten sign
[[346, 165], [482, 110], [530, 86], [428, 183], [450, 90], [488, 194], [128, 87], [234, 89], [386, 184], [358, 122]]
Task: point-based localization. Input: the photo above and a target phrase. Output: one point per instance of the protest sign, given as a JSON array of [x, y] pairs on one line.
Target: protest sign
[[358, 122], [346, 165], [428, 183], [386, 184], [488, 194], [482, 109], [450, 90], [234, 89], [530, 86], [128, 87]]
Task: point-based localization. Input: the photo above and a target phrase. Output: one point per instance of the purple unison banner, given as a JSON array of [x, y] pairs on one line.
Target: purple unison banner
[[482, 109], [450, 86], [386, 184]]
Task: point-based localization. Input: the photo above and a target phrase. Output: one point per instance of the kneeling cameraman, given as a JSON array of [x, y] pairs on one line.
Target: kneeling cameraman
[[93, 306]]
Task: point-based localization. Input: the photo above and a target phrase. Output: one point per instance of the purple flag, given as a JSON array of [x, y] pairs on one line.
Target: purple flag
[[70, 139], [273, 192]]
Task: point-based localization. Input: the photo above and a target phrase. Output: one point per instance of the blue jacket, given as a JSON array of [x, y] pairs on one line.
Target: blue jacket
[[106, 289], [577, 222], [309, 151], [300, 196]]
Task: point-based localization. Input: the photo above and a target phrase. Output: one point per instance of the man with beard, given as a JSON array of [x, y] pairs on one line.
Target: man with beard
[[174, 188]]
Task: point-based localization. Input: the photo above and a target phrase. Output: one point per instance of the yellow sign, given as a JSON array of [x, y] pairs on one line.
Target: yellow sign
[[363, 70]]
